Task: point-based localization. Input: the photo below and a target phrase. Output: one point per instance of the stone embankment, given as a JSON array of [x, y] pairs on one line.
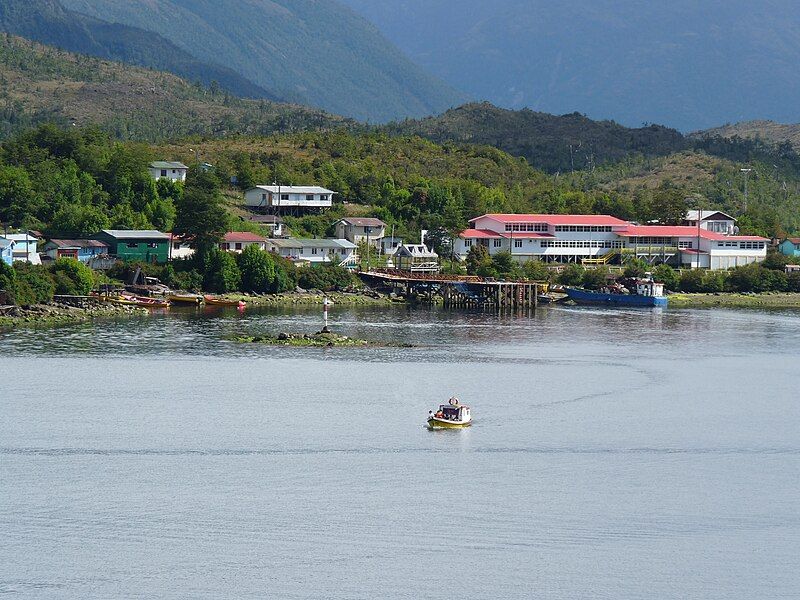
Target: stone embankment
[[63, 311]]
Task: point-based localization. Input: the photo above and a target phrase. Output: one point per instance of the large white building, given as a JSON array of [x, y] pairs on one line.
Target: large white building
[[289, 199], [338, 251], [602, 239]]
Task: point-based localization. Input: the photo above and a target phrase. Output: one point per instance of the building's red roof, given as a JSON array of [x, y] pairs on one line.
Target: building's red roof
[[795, 241], [243, 236], [555, 219], [489, 234], [685, 231]]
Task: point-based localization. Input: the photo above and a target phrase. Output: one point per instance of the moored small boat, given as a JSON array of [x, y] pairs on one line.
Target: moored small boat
[[452, 415], [646, 293], [216, 301], [185, 298]]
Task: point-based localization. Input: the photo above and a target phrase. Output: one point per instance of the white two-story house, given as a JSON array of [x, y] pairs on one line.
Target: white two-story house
[[289, 199], [361, 229]]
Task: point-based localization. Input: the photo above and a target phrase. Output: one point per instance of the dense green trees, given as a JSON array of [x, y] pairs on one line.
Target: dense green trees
[[258, 270], [201, 214]]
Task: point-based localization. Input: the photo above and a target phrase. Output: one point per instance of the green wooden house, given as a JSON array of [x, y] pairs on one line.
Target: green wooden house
[[146, 245]]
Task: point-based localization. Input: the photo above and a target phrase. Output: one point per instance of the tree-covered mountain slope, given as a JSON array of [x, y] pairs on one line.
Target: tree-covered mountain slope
[[48, 22], [549, 142], [316, 52], [39, 84]]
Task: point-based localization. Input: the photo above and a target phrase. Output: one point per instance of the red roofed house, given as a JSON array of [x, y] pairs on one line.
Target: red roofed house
[[602, 239], [236, 241]]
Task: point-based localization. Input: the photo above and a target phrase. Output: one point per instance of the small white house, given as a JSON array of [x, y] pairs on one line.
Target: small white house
[[179, 247], [25, 247], [360, 229], [388, 245], [175, 171], [290, 199], [340, 252], [236, 241]]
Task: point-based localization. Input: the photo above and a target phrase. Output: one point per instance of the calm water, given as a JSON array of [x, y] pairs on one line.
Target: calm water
[[615, 454]]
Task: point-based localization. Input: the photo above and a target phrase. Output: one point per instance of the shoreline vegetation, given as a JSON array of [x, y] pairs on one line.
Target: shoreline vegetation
[[776, 300]]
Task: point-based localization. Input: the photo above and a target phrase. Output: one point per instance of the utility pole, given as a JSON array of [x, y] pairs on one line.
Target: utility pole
[[746, 172]]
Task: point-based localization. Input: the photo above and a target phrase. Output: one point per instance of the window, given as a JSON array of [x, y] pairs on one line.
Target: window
[[163, 172], [508, 227], [517, 243], [467, 243], [132, 245], [497, 243], [238, 245], [309, 197], [152, 244], [264, 197], [313, 251], [323, 197], [284, 196], [176, 246], [684, 245], [174, 171]]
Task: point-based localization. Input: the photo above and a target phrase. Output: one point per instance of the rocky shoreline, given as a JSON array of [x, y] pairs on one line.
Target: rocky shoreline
[[321, 339], [773, 300], [317, 297], [58, 313]]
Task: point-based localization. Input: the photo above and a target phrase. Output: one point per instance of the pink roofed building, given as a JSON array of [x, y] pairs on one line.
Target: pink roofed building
[[603, 239]]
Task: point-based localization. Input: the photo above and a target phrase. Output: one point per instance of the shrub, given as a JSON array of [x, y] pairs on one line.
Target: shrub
[[668, 276], [72, 277], [257, 269], [636, 267], [536, 270], [714, 281], [572, 274], [285, 275], [477, 257], [691, 281], [220, 273], [327, 277], [34, 285], [594, 279], [8, 283]]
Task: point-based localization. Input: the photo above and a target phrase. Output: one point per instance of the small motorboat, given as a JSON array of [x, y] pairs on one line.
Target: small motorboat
[[217, 301], [185, 298], [452, 415]]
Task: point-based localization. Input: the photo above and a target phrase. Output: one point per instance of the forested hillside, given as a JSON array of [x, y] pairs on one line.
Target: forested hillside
[[48, 22], [766, 131], [549, 142], [315, 52], [41, 84]]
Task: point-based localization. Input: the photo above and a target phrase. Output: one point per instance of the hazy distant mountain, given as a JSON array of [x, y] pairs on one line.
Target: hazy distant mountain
[[317, 52], [548, 142], [691, 64], [48, 22]]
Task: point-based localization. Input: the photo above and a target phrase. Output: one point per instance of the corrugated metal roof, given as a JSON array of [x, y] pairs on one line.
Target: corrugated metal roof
[[328, 244], [165, 164], [80, 243], [691, 215], [243, 236], [295, 189], [554, 219], [363, 221], [136, 234]]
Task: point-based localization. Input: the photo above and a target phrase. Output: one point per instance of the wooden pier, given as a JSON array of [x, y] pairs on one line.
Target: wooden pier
[[458, 291]]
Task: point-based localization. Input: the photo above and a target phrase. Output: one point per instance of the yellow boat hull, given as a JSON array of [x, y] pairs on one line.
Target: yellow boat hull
[[434, 423]]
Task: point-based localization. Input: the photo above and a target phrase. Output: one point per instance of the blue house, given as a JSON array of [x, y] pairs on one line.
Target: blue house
[[790, 247], [82, 250], [7, 250]]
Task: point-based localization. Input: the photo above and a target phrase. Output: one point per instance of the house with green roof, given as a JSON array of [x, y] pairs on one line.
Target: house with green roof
[[162, 169], [147, 245]]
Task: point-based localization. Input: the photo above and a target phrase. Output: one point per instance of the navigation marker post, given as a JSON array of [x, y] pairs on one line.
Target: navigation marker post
[[326, 302]]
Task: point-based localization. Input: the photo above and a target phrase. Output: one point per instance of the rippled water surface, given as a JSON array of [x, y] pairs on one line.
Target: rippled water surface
[[615, 454]]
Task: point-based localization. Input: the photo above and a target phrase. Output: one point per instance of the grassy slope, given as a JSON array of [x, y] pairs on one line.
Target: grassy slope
[[768, 131], [40, 83]]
